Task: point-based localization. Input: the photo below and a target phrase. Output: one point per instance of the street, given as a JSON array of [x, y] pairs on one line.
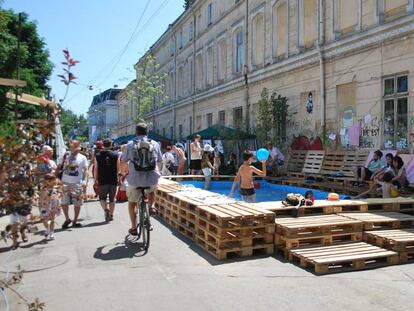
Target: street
[[94, 268]]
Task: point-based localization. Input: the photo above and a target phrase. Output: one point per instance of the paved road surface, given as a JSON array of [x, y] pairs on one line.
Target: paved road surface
[[92, 268]]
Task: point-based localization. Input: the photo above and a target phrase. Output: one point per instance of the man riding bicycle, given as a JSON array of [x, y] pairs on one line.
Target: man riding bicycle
[[141, 160]]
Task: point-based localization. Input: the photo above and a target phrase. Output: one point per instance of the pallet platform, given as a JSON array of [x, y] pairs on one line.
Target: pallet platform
[[316, 226], [401, 241], [343, 257], [384, 220]]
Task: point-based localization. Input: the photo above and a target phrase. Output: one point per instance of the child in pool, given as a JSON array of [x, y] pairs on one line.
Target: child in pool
[[245, 178]]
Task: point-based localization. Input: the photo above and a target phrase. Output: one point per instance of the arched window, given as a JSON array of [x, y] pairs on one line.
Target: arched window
[[280, 29], [308, 19], [239, 51], [221, 59], [180, 82], [258, 41], [209, 66]]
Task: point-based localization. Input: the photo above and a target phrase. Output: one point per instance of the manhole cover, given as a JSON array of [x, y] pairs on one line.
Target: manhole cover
[[35, 263]]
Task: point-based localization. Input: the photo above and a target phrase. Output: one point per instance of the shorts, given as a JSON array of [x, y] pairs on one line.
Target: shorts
[[245, 192], [368, 173], [72, 194], [134, 195], [207, 171], [105, 190], [46, 214], [195, 165], [248, 195], [16, 219]]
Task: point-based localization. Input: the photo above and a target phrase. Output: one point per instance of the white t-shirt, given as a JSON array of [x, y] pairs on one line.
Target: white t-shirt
[[195, 155], [73, 168], [276, 153]]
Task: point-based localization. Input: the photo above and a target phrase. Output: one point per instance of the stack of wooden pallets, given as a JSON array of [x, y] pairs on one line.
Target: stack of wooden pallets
[[231, 228]]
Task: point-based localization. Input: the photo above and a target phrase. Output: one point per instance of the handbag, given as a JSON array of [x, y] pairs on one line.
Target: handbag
[[59, 169]]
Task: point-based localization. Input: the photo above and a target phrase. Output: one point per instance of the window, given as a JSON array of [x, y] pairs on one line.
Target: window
[[190, 124], [239, 52], [198, 123], [190, 31], [280, 29], [258, 35], [181, 40], [396, 112], [199, 72], [222, 117], [180, 132], [172, 48], [171, 132], [209, 14], [237, 117], [163, 131], [209, 119]]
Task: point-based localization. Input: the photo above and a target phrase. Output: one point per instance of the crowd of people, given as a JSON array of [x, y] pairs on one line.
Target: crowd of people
[[118, 172]]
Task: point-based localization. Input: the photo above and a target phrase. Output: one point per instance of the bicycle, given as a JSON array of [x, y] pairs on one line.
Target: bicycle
[[143, 219]]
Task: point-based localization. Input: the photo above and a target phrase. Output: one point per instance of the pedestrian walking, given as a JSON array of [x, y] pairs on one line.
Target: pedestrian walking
[[195, 155], [141, 160], [74, 167], [105, 173], [49, 204]]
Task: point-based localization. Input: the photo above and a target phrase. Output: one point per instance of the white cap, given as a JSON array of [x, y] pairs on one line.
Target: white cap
[[208, 148], [46, 148]]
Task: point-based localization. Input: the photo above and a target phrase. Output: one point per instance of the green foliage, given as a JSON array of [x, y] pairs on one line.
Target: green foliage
[[148, 91], [34, 63], [70, 122], [272, 116]]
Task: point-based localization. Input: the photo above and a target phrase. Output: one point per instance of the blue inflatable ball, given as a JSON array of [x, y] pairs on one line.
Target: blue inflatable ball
[[262, 154]]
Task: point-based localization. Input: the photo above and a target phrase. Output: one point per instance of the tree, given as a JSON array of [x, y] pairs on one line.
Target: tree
[[35, 66], [148, 91], [73, 125], [272, 117]]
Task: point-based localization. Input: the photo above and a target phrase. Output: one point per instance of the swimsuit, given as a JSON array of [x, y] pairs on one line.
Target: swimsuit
[[246, 192]]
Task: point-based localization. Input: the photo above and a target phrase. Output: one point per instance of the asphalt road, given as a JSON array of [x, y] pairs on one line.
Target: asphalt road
[[95, 268]]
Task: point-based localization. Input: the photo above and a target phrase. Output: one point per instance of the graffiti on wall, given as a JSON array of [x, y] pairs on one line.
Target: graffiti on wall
[[370, 132]]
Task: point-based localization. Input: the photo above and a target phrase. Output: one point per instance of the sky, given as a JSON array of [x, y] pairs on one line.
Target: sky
[[97, 33]]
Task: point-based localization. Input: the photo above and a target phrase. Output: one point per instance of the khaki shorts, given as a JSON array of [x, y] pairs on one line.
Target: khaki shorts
[[134, 195], [72, 194]]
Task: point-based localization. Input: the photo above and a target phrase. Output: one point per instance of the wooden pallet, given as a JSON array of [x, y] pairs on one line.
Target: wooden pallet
[[319, 207], [313, 162], [386, 220], [296, 161], [304, 227], [222, 254], [333, 162], [405, 205], [401, 241], [343, 257]]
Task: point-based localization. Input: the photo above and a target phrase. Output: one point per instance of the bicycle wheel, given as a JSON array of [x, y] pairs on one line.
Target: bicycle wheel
[[139, 221], [146, 227]]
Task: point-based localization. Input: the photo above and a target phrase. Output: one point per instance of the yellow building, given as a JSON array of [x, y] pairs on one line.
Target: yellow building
[[356, 57]]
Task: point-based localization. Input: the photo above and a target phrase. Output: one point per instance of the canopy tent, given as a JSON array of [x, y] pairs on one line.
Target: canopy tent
[[221, 132], [151, 135]]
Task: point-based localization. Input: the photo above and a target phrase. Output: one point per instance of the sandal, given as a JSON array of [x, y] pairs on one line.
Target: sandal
[[111, 217], [133, 231], [66, 224], [76, 225]]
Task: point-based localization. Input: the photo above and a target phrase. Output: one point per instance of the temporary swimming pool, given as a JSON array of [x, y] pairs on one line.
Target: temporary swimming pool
[[266, 191]]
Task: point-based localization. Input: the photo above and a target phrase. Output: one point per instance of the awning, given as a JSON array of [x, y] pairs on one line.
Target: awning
[[221, 132]]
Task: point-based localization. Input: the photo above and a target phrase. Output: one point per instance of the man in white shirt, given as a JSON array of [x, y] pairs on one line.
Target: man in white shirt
[[195, 155], [75, 181]]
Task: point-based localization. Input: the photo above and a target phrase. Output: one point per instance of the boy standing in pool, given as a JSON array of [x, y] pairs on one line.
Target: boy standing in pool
[[245, 177]]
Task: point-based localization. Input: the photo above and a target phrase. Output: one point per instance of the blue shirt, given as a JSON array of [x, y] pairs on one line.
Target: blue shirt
[[136, 178]]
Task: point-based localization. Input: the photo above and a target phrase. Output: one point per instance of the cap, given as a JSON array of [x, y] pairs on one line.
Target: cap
[[208, 148], [46, 148]]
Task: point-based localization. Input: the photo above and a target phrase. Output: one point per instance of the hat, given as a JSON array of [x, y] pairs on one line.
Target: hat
[[46, 148], [208, 148], [333, 197]]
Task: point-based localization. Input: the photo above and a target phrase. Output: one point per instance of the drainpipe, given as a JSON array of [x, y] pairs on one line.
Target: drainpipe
[[321, 41], [246, 68], [193, 72], [175, 83]]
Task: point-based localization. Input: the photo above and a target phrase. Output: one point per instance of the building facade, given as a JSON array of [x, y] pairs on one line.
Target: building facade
[[354, 57], [103, 115]]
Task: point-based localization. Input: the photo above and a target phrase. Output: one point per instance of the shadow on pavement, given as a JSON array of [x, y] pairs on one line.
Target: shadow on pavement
[[127, 249], [206, 255]]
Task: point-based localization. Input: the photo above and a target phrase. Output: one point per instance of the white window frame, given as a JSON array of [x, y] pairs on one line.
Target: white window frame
[[238, 50], [220, 41], [275, 6], [395, 96], [190, 31], [258, 13]]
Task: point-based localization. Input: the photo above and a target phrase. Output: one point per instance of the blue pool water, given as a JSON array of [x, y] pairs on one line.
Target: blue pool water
[[265, 193]]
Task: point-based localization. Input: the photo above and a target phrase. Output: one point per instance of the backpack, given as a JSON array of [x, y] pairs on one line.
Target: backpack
[[144, 156]]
